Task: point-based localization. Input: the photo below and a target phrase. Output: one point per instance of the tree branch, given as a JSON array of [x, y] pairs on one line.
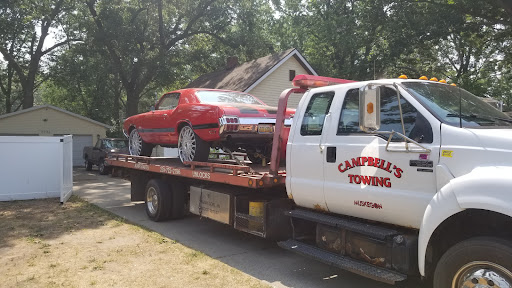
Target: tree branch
[[60, 44]]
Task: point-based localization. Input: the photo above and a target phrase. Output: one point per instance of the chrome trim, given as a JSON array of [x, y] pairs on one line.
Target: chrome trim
[[255, 121]]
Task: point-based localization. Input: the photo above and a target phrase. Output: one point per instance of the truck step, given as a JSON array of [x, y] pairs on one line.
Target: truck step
[[376, 232], [345, 263]]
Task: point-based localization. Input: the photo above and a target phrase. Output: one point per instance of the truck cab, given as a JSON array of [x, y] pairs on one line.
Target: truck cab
[[418, 155]]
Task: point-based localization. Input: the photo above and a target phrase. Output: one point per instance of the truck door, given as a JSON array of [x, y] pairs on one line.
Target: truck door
[[365, 179], [306, 158]]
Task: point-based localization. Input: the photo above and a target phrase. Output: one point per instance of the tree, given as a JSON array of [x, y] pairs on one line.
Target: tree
[[25, 26], [143, 37]]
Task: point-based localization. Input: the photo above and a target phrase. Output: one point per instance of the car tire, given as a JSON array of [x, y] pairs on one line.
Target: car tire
[[88, 165], [157, 200], [191, 147], [102, 167], [137, 146], [475, 261]]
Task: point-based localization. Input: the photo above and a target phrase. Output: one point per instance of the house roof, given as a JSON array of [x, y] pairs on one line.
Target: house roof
[[246, 76], [54, 108]]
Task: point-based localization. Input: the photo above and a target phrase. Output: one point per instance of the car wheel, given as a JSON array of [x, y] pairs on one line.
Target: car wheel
[[88, 165], [157, 200], [477, 262], [103, 169], [137, 146], [191, 147]]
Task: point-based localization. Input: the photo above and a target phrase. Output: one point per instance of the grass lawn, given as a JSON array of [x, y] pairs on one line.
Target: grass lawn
[[45, 244]]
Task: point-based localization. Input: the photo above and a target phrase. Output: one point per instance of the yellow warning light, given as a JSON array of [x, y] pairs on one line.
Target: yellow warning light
[[369, 108], [403, 76], [453, 84], [433, 79], [275, 180], [250, 182], [260, 183], [423, 78], [442, 81]]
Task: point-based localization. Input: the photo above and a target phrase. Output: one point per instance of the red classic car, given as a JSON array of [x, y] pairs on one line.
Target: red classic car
[[193, 120]]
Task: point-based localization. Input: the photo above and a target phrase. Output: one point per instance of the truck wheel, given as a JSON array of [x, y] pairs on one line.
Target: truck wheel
[[477, 262], [88, 165], [103, 169], [157, 200], [191, 147], [177, 203], [137, 146]]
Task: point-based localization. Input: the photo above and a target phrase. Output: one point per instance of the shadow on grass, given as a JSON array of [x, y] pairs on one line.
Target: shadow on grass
[[44, 219]]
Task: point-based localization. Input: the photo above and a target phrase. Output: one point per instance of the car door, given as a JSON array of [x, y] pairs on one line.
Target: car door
[[96, 150], [305, 160], [365, 179], [159, 124]]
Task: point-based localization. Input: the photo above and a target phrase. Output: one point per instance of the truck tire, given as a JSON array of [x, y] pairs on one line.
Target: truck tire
[[157, 200], [102, 168], [481, 260], [177, 203], [191, 147], [88, 164], [137, 146]]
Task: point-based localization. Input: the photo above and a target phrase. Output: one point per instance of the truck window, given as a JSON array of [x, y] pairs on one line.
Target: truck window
[[416, 126], [318, 107], [169, 101]]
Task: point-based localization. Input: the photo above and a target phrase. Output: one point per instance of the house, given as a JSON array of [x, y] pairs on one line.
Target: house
[[48, 120], [264, 77]]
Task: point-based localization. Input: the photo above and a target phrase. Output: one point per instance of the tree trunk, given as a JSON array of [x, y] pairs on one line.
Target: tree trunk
[[132, 102]]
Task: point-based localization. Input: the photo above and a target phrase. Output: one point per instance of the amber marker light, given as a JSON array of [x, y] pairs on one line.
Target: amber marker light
[[453, 84], [369, 108], [403, 76], [442, 81], [423, 78], [433, 79]]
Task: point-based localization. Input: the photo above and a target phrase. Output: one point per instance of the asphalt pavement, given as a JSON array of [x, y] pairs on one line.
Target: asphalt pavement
[[250, 254]]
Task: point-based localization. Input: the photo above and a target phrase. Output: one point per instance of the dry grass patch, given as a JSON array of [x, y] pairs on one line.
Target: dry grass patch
[[45, 244]]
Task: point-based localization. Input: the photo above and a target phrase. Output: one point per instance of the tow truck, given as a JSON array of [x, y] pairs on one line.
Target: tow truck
[[391, 179]]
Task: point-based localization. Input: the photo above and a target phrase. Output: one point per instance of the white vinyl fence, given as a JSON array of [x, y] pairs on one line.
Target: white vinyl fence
[[36, 167]]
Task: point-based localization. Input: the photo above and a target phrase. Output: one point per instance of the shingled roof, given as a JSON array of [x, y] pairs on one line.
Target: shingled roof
[[245, 76]]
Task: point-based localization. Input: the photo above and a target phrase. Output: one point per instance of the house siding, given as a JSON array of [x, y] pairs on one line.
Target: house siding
[[57, 123], [271, 87]]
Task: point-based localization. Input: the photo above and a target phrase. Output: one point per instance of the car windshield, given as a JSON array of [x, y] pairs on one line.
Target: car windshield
[[457, 107], [116, 144], [207, 96]]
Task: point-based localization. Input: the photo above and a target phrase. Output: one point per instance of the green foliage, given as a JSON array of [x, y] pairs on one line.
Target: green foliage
[[132, 51]]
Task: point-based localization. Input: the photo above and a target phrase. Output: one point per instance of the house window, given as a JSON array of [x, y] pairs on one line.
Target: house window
[[291, 74]]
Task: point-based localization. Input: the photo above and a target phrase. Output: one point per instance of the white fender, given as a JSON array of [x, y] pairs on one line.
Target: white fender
[[487, 188]]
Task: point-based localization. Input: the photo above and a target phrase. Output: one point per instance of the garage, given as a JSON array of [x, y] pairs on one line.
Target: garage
[[48, 120]]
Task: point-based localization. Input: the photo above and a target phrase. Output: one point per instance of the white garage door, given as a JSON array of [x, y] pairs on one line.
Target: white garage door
[[79, 142]]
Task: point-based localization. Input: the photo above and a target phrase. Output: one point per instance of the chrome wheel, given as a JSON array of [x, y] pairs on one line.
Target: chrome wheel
[[187, 144], [482, 274], [135, 143], [152, 200]]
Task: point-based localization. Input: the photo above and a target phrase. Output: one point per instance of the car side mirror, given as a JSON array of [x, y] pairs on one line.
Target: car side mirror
[[369, 108], [152, 108]]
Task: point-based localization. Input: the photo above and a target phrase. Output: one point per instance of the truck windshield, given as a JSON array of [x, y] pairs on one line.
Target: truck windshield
[[206, 96], [457, 107], [113, 144]]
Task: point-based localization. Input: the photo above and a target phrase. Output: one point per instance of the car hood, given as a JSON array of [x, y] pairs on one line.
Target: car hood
[[118, 151], [251, 110]]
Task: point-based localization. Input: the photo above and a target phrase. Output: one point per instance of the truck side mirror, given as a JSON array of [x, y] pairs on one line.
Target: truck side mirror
[[369, 108]]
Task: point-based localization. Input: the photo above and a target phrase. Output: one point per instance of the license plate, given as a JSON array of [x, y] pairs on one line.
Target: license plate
[[265, 128]]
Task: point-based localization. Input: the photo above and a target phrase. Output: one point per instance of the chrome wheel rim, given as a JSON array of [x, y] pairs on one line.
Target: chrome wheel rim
[[152, 200], [135, 143], [187, 144], [482, 274]]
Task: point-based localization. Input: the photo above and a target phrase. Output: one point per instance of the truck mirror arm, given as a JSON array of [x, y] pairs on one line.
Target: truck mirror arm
[[407, 140]]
